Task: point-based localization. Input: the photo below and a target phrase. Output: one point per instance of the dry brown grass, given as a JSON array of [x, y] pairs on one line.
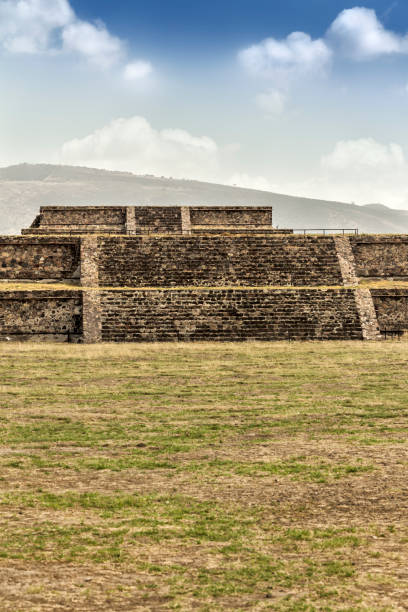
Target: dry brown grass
[[261, 476]]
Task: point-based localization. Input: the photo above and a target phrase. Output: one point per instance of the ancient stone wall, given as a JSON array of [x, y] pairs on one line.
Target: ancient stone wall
[[41, 315], [367, 314], [229, 315], [346, 260], [79, 219], [223, 260], [231, 230], [196, 273], [391, 306], [158, 219], [87, 215], [381, 256], [231, 216], [150, 219], [91, 313], [130, 220], [38, 258]]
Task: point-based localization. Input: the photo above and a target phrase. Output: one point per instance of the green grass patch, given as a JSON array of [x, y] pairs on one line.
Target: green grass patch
[[219, 476]]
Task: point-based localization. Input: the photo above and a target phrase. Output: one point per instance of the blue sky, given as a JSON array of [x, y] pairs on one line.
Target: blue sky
[[294, 96], [226, 23]]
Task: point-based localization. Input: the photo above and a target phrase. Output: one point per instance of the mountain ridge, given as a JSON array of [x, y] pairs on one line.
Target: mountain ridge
[[26, 187]]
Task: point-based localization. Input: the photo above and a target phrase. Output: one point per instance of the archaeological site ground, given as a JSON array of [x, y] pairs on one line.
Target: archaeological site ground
[[204, 476], [201, 412]]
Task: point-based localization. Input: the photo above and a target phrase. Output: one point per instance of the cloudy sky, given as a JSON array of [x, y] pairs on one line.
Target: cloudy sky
[[307, 97]]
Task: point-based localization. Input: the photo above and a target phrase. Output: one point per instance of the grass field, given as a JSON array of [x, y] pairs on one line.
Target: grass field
[[204, 476]]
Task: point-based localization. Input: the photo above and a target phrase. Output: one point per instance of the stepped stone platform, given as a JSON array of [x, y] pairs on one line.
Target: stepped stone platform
[[160, 273], [142, 220]]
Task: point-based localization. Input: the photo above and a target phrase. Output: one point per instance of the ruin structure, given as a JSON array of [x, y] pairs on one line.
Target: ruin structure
[[156, 273]]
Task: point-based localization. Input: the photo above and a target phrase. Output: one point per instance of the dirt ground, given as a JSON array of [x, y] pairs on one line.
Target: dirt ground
[[247, 476]]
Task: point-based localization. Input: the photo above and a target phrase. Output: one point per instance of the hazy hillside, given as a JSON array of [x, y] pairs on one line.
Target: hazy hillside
[[24, 188]]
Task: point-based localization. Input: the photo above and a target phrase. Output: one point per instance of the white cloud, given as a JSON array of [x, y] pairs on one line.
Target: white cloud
[[93, 42], [357, 33], [283, 60], [241, 179], [363, 171], [363, 154], [232, 147], [271, 102], [28, 26], [135, 146], [51, 26], [137, 70]]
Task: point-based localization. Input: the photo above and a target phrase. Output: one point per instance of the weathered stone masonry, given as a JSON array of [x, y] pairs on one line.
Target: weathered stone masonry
[[391, 306], [195, 273], [151, 219], [91, 313], [39, 258], [225, 260], [364, 301], [346, 260], [367, 314], [81, 219], [381, 256], [229, 314], [41, 315]]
